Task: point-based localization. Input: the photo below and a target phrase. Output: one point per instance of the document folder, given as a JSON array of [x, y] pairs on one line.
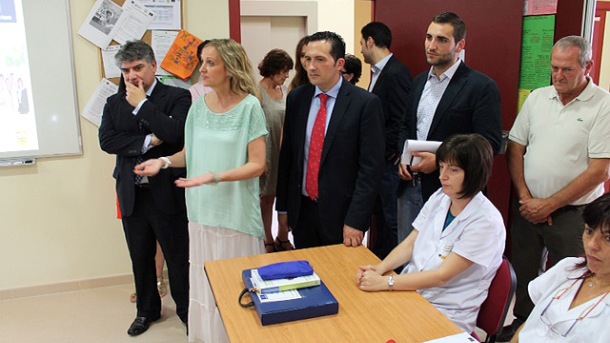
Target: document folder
[[315, 302]]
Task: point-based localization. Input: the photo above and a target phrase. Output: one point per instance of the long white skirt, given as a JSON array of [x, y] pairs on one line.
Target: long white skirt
[[211, 244]]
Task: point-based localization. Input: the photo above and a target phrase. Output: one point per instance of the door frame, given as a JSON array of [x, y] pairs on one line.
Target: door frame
[[597, 41], [237, 9], [307, 9]]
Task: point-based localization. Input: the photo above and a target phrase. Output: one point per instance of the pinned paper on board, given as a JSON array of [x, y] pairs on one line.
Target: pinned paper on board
[[181, 59]]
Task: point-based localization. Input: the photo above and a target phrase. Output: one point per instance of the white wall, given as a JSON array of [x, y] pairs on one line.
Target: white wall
[[334, 15], [57, 218]]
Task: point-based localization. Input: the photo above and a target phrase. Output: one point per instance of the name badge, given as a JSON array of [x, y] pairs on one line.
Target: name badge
[[445, 250]]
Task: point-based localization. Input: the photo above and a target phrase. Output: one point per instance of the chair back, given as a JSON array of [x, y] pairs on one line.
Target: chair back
[[494, 309]]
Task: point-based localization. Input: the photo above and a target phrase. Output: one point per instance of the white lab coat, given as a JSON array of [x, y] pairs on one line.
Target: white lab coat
[[593, 328], [478, 235]]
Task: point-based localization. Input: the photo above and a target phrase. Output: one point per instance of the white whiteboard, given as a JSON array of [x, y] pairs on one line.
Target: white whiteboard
[[53, 88]]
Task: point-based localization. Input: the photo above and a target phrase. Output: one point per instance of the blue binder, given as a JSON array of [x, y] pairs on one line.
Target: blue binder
[[315, 302]]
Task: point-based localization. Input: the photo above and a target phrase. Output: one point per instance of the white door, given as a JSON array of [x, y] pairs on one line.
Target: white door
[[260, 34]]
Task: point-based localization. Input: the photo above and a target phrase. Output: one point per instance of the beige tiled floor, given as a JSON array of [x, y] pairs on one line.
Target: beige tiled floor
[[90, 315]]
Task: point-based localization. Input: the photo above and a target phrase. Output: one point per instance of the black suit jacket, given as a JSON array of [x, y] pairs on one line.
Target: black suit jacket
[[470, 104], [164, 115], [352, 159], [392, 87]]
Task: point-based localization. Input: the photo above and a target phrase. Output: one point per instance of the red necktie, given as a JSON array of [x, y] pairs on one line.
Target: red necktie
[[316, 144]]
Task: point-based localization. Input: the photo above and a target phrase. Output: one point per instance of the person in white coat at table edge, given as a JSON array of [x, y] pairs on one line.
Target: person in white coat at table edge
[[456, 246], [571, 299]]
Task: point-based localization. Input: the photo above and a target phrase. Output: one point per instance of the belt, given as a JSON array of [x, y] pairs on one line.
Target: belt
[[569, 208], [305, 198], [416, 179], [143, 185]]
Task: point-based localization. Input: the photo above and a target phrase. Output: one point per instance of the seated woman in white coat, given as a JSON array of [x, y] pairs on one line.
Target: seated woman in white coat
[[571, 299], [456, 246]]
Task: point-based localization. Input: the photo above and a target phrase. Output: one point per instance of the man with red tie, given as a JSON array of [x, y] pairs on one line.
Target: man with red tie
[[332, 154]]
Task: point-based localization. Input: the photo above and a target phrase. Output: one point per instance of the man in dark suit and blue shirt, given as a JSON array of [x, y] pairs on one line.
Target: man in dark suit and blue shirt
[[391, 81], [331, 159], [449, 99], [143, 121]]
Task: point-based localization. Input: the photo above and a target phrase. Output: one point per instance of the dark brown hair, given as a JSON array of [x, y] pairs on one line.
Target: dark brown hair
[[459, 27], [381, 33], [353, 65], [276, 61], [474, 155], [300, 75], [596, 216]]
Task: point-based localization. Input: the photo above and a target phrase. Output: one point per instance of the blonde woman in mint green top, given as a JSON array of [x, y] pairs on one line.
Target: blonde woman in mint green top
[[225, 154], [217, 142]]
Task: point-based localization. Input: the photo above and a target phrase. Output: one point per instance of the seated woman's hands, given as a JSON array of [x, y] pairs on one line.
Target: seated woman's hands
[[370, 280]]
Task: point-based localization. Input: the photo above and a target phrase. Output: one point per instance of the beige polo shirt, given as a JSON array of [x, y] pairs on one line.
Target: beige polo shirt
[[560, 139]]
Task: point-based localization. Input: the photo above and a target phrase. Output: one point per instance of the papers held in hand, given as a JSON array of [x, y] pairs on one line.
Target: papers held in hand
[[412, 146]]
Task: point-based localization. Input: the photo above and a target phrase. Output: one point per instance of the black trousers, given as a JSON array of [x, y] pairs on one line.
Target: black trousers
[[143, 229], [309, 232], [383, 235]]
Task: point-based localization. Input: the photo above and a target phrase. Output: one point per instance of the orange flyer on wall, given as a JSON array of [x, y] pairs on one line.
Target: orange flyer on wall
[[181, 59]]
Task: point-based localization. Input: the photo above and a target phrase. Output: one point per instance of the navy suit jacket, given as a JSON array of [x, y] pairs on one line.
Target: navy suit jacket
[[352, 159], [392, 87], [470, 104], [163, 114]]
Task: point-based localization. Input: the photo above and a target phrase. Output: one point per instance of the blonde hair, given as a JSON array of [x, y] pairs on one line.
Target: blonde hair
[[237, 63]]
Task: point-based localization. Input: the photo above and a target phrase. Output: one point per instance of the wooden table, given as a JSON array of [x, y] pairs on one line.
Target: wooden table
[[363, 316]]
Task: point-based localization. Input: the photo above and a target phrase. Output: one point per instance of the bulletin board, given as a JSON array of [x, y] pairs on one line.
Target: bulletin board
[[159, 23], [146, 38]]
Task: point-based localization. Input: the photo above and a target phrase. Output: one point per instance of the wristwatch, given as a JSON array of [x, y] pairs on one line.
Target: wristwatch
[[391, 282], [166, 162]]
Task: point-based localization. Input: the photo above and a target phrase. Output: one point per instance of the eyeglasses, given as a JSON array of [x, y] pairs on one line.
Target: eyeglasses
[[560, 327]]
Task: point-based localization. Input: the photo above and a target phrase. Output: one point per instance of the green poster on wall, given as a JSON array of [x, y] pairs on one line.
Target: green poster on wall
[[538, 37]]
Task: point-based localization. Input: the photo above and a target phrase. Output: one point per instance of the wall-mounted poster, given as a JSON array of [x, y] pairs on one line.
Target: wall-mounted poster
[[538, 38]]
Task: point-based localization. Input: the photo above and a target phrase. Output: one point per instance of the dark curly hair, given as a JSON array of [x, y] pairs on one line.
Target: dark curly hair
[[276, 61], [353, 65]]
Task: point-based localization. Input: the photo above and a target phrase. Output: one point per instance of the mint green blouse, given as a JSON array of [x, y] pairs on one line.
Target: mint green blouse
[[216, 142]]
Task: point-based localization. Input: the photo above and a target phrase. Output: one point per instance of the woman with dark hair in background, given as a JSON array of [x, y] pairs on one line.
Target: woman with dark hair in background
[[571, 299], [352, 69], [300, 74], [274, 69]]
